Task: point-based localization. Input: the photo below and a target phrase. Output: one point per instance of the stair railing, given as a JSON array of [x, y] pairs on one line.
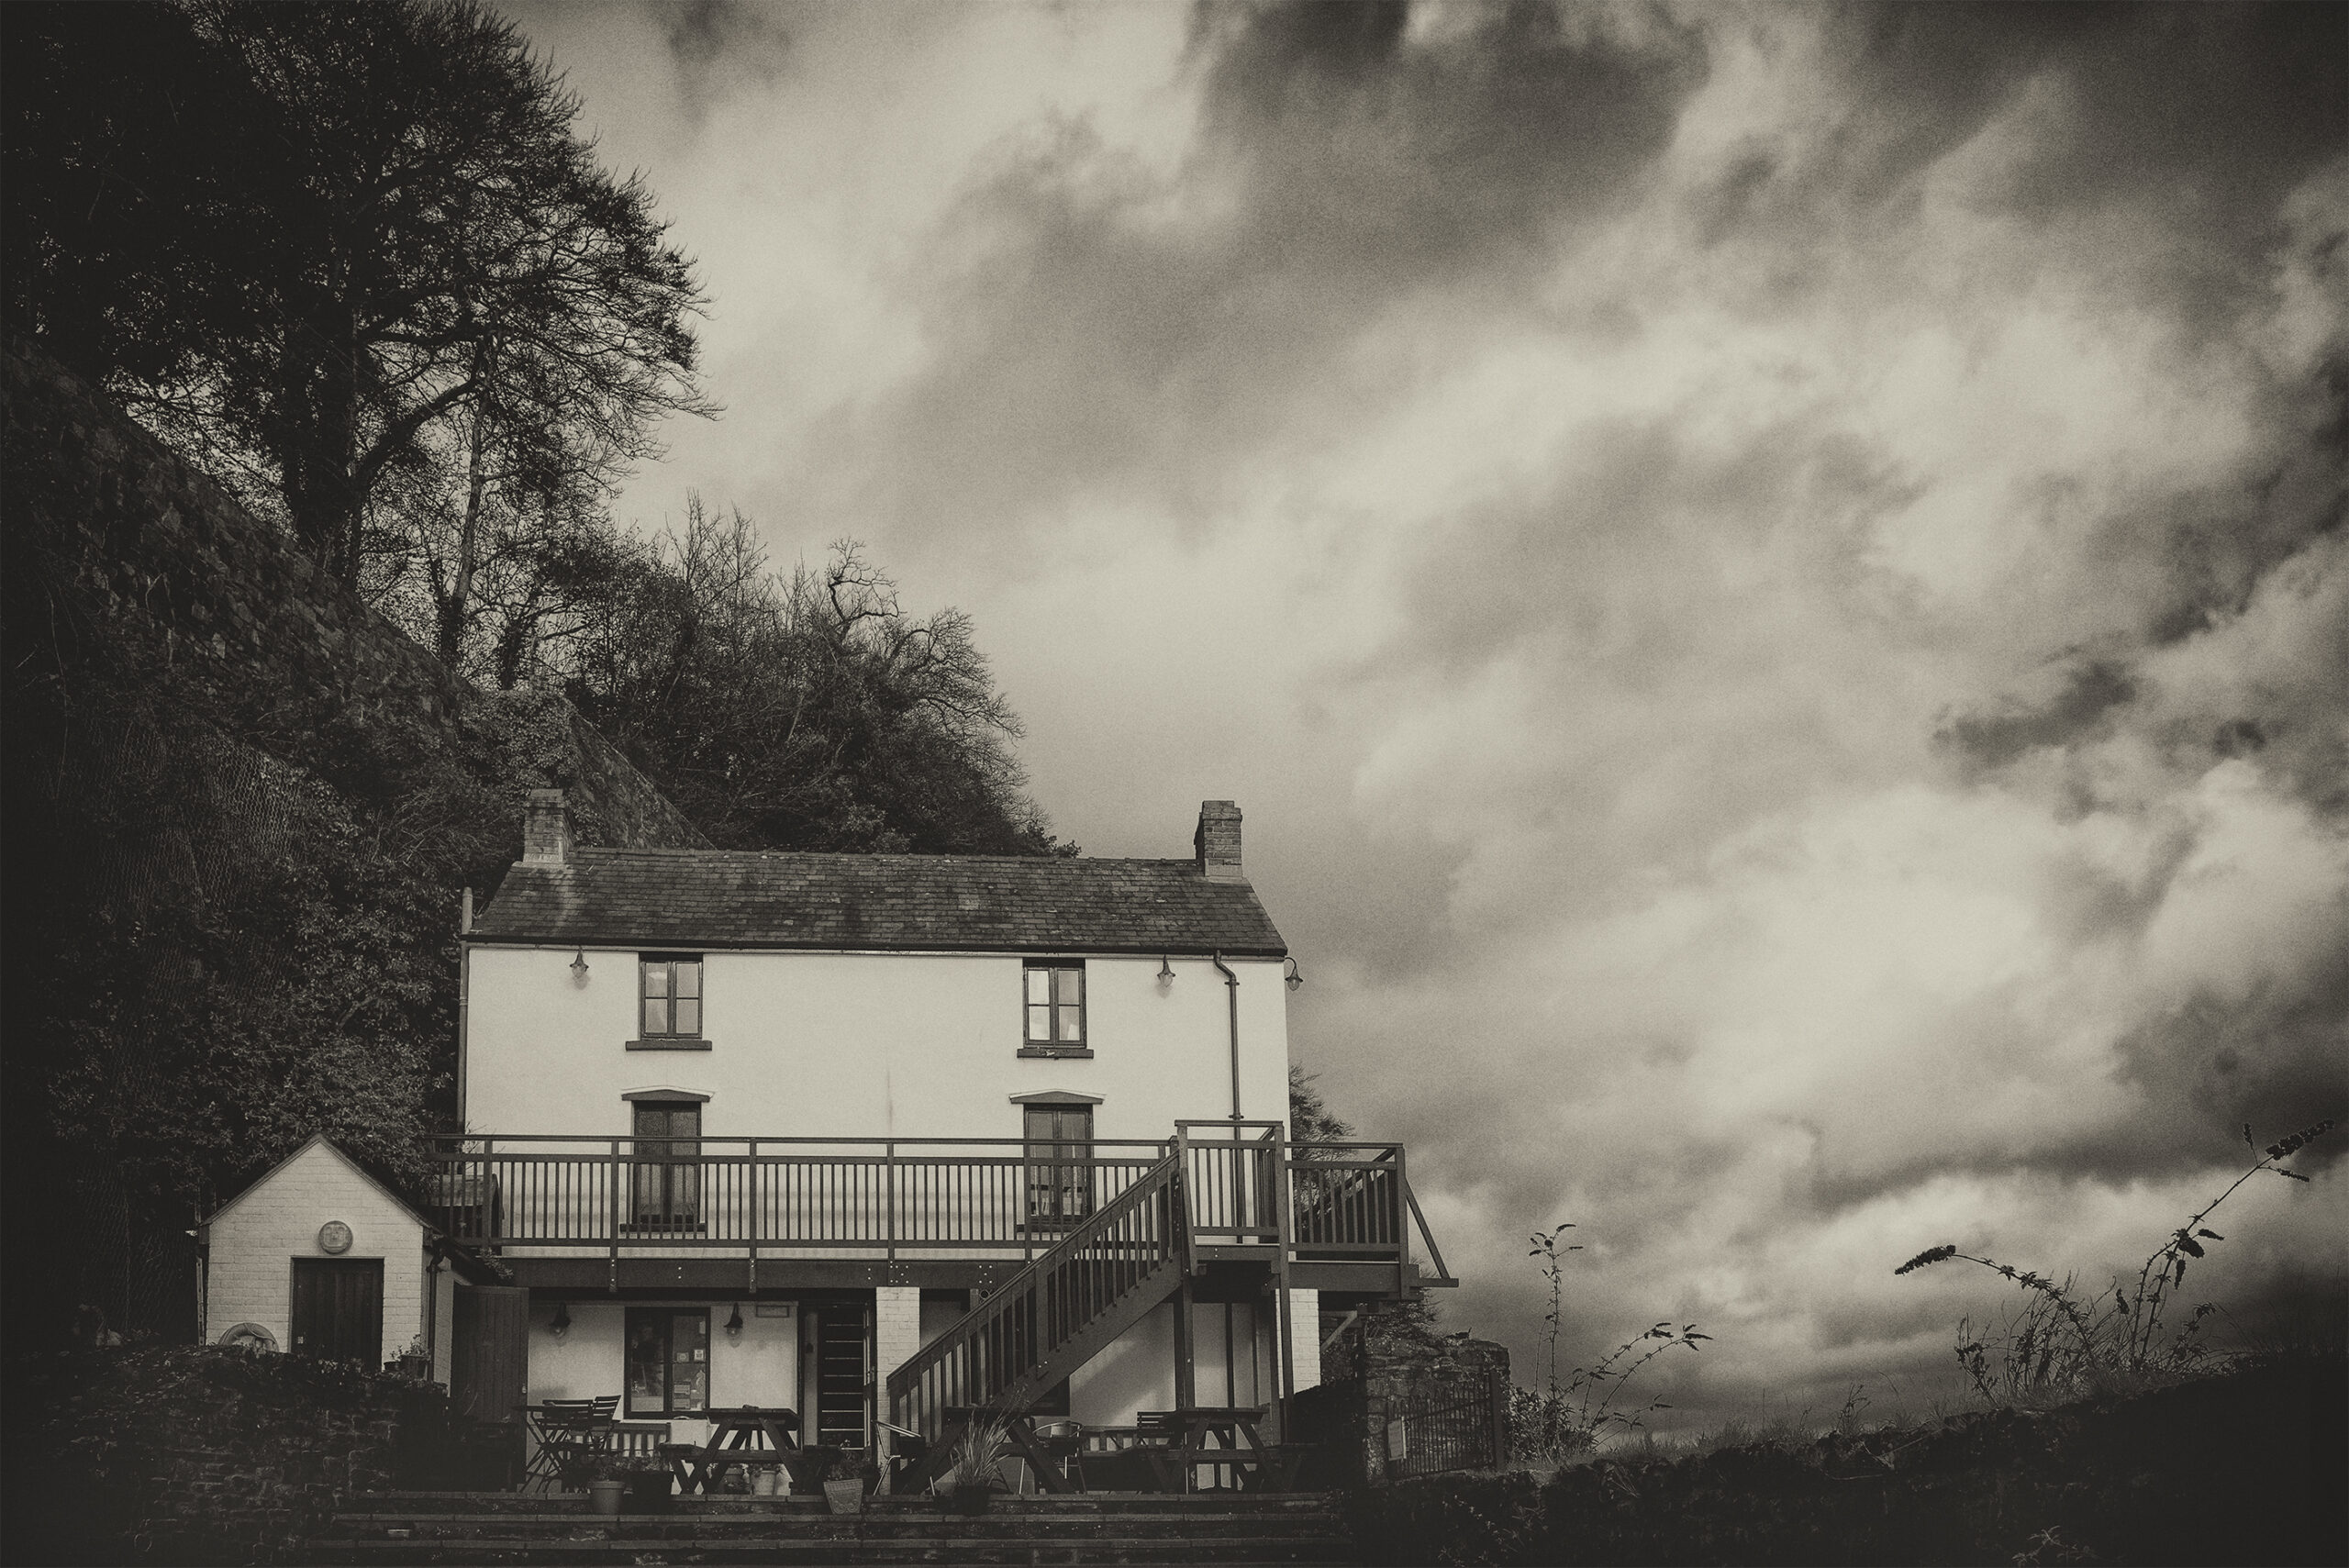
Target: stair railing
[[1004, 1354]]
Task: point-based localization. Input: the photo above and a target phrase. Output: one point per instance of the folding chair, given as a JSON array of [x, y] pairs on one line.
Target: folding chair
[[568, 1430]]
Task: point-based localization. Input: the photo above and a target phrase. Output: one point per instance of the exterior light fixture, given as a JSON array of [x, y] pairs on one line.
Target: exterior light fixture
[[1293, 979], [579, 968], [562, 1324], [734, 1323], [1165, 974]]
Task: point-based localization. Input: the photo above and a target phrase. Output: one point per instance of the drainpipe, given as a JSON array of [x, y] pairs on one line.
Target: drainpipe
[[1232, 990], [464, 995]]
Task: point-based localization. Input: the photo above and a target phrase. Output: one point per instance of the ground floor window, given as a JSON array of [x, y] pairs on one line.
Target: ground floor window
[[668, 1360]]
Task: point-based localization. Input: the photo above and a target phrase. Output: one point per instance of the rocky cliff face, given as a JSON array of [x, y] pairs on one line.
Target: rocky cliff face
[[240, 807]]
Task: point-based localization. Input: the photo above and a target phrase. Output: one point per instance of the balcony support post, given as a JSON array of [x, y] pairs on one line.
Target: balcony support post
[[618, 1200], [1402, 1221], [1186, 1375], [1285, 1346], [750, 1220], [889, 1188]]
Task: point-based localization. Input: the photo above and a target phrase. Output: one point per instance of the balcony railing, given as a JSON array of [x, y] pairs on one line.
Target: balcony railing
[[906, 1197]]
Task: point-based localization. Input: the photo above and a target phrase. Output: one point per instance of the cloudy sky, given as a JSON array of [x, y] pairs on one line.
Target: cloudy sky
[[1771, 582]]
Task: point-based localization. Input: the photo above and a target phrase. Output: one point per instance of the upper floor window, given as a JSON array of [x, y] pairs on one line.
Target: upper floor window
[[1055, 1006], [672, 995]]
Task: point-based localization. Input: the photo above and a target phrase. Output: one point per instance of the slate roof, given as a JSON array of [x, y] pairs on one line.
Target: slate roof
[[747, 898]]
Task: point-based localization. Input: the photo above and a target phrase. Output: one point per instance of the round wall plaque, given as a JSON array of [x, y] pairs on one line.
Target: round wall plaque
[[334, 1236]]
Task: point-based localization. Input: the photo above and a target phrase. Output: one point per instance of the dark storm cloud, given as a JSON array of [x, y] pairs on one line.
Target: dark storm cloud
[[2276, 1059], [1086, 338], [2181, 126], [2088, 690], [720, 45]]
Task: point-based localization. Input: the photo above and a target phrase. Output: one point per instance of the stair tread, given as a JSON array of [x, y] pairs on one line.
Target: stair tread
[[1302, 1509], [736, 1543]]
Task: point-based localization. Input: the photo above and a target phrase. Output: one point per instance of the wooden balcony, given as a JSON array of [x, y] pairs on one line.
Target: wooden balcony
[[1246, 1193]]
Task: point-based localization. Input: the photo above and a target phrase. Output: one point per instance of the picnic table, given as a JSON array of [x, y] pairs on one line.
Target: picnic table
[[735, 1433], [1175, 1442]]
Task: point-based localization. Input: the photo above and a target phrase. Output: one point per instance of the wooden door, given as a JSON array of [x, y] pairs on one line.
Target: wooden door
[[490, 1352], [339, 1310]]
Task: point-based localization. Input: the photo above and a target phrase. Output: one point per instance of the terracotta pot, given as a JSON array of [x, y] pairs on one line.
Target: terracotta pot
[[967, 1500], [604, 1498], [845, 1497], [648, 1493]]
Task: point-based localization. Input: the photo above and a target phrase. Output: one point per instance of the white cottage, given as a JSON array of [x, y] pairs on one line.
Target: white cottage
[[877, 1137]]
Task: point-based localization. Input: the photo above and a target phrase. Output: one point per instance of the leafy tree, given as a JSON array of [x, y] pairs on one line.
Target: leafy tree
[[395, 254], [807, 711], [1311, 1119], [128, 171]]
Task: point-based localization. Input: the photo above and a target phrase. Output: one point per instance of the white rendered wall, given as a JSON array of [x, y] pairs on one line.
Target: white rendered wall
[[1137, 1372], [590, 1358], [863, 1045], [256, 1238]]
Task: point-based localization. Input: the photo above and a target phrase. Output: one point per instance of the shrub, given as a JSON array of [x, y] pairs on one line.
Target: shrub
[[2057, 1346], [1458, 1518]]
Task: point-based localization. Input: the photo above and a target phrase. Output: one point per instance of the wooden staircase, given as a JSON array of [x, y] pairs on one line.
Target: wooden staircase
[[1052, 1317]]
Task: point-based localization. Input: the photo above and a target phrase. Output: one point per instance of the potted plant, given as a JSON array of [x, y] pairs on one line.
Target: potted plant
[[416, 1362], [844, 1482], [604, 1492], [977, 1456], [815, 1468], [640, 1482]]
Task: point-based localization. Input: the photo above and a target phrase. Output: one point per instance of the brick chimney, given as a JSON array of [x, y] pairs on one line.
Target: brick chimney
[[546, 829], [1216, 843]]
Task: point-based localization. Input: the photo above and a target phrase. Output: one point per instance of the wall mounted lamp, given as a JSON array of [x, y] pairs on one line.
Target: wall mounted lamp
[[562, 1324], [579, 968], [734, 1323], [1165, 974], [1293, 979]]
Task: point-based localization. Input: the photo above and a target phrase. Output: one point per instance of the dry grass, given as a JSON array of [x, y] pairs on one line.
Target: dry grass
[[2057, 1346]]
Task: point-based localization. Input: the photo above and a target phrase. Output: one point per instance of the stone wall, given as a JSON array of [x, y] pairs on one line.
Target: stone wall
[[186, 1455], [1359, 1418]]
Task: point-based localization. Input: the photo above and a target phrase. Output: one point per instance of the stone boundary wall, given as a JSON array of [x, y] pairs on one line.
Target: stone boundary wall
[[203, 1455], [1349, 1417]]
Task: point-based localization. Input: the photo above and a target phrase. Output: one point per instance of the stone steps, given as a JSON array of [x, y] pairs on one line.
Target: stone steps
[[833, 1525], [1028, 1552], [1230, 1529]]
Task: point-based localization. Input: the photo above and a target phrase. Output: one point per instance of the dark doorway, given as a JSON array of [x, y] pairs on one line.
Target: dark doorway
[[339, 1310], [842, 1366]]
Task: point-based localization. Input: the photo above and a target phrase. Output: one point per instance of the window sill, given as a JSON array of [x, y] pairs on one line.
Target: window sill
[[1058, 1052], [679, 1043]]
